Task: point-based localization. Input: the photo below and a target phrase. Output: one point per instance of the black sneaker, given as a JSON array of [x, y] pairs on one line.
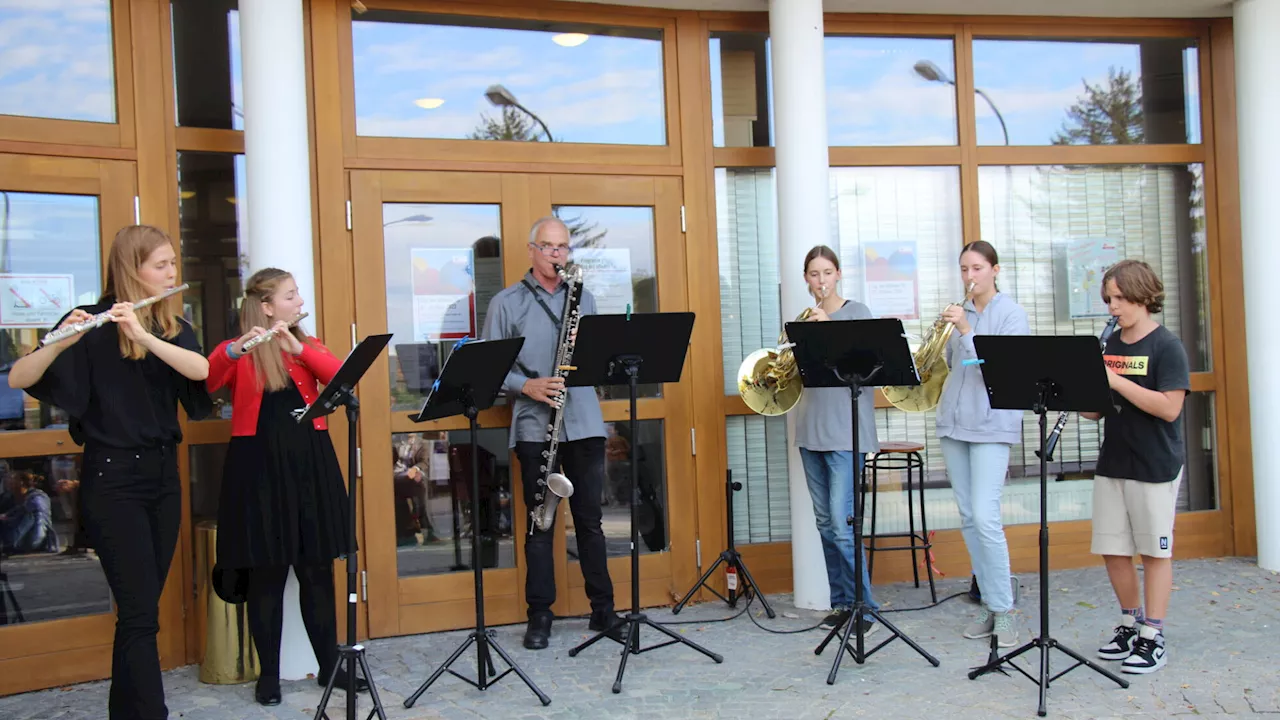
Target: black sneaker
[[1121, 646], [836, 618], [1148, 654]]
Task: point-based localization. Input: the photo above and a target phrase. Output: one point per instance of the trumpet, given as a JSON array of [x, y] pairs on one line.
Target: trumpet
[[768, 379], [252, 343], [931, 363], [103, 318]]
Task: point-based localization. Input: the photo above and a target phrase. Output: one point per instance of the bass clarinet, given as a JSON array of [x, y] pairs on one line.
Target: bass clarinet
[[1052, 441], [543, 514]]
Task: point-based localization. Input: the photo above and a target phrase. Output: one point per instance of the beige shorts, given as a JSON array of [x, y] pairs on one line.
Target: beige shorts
[[1134, 517]]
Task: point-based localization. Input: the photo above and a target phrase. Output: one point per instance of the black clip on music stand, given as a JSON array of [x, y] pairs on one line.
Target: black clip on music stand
[[633, 349], [855, 354], [469, 383], [340, 392], [1043, 373], [732, 559]]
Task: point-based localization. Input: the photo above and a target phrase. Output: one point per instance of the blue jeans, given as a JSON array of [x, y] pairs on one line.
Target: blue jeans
[[977, 472], [830, 475]]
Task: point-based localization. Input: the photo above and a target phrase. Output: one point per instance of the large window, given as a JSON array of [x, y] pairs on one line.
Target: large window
[[442, 76], [206, 63], [1082, 92], [57, 60]]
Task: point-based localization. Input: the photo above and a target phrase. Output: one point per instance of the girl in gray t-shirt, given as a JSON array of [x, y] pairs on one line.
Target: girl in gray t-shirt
[[824, 435]]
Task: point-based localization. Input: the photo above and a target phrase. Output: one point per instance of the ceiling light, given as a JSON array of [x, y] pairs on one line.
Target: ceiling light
[[569, 39], [429, 103], [187, 194]]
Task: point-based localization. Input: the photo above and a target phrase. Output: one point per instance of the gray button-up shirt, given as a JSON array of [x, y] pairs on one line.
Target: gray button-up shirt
[[514, 312]]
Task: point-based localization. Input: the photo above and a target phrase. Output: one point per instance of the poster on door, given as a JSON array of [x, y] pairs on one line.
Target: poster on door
[[34, 301], [443, 293], [606, 272], [891, 279]]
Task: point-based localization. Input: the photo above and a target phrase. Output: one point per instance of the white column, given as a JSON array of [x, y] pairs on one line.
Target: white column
[[278, 196], [277, 152], [800, 137], [1257, 107]]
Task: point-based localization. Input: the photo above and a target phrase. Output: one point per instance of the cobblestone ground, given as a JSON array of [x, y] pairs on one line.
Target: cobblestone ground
[[1223, 634]]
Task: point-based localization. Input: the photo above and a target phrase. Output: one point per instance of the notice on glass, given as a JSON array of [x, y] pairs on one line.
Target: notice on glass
[[34, 301], [1087, 261], [443, 294], [606, 272], [891, 279]]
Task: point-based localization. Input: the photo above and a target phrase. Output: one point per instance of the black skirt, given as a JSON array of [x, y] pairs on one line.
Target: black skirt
[[284, 500]]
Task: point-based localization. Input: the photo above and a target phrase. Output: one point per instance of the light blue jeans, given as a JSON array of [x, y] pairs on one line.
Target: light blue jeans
[[977, 472], [830, 475]]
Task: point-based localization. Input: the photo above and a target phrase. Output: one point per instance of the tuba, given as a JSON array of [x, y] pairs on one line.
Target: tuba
[[931, 364], [553, 486], [769, 379]]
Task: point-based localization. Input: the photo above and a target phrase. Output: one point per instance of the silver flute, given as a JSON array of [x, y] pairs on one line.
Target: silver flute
[[103, 318], [268, 335]]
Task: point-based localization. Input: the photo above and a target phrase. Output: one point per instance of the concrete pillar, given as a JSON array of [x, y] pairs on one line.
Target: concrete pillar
[[278, 200], [1257, 107], [800, 137]]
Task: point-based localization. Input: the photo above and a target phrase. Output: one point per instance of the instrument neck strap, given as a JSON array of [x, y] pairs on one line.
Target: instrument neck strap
[[533, 291]]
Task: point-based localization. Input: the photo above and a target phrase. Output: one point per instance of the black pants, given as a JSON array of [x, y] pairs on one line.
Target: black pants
[[266, 614], [583, 463], [132, 504]]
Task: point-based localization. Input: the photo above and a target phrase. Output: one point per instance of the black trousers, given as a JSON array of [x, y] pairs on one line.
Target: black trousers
[[132, 505], [582, 461], [266, 614]]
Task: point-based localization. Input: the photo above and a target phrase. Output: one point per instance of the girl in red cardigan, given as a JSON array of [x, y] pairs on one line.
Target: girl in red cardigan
[[283, 500]]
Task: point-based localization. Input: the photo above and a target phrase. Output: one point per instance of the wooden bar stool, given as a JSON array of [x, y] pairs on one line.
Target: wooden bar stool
[[899, 456]]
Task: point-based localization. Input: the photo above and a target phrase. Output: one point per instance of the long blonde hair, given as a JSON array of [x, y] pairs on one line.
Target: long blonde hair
[[268, 357], [131, 247]]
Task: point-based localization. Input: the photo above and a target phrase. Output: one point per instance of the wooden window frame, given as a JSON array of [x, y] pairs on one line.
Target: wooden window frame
[[20, 133]]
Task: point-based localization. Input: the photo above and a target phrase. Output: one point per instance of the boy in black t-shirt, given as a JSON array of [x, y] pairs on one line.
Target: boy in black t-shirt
[[1135, 488]]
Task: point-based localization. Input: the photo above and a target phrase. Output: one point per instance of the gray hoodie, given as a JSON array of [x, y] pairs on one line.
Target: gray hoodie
[[964, 412]]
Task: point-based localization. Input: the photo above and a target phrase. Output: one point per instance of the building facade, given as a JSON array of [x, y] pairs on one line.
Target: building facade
[[393, 154]]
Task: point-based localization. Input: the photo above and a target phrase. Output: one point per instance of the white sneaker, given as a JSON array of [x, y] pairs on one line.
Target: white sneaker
[[982, 627], [1005, 631], [1148, 653], [1121, 645]]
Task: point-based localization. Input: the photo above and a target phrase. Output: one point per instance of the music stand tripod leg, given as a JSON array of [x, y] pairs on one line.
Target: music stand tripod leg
[[1044, 642], [631, 642], [480, 635]]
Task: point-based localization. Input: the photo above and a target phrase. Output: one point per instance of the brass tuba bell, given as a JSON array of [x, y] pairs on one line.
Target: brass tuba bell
[[931, 363], [769, 379]]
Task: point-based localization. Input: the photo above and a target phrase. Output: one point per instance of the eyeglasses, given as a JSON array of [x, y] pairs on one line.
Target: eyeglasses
[[550, 250]]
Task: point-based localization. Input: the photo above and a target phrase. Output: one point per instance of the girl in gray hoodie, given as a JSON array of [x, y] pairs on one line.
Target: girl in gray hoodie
[[976, 439]]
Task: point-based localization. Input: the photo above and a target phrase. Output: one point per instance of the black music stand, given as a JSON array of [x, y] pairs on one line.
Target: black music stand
[[1043, 373], [469, 383], [340, 392], [855, 354], [732, 559], [633, 349], [7, 598]]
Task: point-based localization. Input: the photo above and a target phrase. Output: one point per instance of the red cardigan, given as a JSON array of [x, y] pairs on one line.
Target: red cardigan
[[313, 368]]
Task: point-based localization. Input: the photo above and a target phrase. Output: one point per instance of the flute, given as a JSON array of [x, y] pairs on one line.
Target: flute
[[103, 318], [255, 342]]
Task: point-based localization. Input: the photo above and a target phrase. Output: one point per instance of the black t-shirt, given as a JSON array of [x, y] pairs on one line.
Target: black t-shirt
[[117, 402], [1137, 445]]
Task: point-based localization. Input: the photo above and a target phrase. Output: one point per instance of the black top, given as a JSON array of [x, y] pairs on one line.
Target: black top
[[1137, 445], [119, 402]]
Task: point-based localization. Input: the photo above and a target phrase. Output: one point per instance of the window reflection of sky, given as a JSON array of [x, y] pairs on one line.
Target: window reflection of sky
[[53, 234], [606, 90], [56, 60], [1034, 83], [875, 98]]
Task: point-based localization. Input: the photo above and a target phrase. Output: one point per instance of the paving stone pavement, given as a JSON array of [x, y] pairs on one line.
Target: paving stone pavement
[[1223, 634]]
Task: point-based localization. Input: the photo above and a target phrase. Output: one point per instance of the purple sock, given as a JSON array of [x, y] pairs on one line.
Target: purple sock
[[1157, 623], [1138, 616]]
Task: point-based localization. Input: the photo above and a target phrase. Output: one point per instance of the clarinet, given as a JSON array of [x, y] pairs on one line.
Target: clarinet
[[554, 486], [1052, 441]]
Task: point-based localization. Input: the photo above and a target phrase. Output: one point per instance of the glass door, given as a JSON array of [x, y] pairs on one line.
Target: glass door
[[431, 250], [57, 219]]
